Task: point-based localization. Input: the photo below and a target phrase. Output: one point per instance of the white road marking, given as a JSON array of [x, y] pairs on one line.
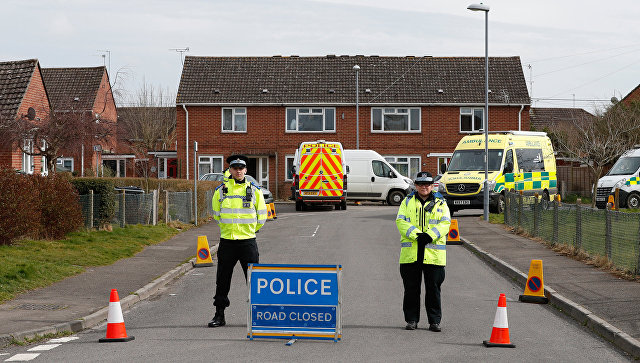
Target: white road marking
[[314, 232], [63, 340], [42, 347], [23, 357]]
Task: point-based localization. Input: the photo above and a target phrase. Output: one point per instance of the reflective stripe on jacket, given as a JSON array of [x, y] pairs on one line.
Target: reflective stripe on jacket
[[237, 220], [413, 218]]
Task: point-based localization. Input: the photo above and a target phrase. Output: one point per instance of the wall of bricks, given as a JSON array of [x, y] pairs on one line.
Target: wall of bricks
[[266, 135], [35, 97]]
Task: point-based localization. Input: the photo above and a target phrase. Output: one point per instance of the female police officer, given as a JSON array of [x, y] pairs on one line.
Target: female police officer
[[423, 222], [239, 208]]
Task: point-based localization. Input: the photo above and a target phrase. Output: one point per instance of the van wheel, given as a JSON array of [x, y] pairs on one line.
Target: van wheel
[[298, 205], [395, 197], [633, 201], [343, 205], [338, 206], [500, 205]]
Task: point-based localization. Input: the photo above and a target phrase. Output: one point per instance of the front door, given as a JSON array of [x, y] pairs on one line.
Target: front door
[[258, 168]]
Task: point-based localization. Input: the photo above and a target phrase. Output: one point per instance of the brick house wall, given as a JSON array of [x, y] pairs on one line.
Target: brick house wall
[[36, 97], [633, 96], [266, 135]]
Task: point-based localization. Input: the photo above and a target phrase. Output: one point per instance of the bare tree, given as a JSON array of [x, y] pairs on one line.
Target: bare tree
[[48, 136], [599, 140], [148, 125]]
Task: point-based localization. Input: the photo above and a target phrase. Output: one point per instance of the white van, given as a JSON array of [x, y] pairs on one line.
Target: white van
[[370, 177], [623, 175]]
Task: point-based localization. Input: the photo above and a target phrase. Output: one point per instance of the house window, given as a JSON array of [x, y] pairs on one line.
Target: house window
[[209, 164], [311, 120], [471, 119], [27, 160], [407, 166], [64, 164], [115, 167], [288, 168], [395, 119], [234, 119]]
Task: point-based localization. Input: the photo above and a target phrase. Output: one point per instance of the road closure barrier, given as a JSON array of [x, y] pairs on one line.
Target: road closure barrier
[[203, 253], [534, 289], [273, 210], [116, 331]]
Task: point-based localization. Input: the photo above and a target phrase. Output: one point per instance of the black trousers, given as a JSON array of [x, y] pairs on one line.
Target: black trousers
[[229, 253], [412, 278]]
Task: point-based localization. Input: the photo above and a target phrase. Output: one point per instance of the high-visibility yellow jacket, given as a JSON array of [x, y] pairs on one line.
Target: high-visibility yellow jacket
[[238, 218], [414, 218]]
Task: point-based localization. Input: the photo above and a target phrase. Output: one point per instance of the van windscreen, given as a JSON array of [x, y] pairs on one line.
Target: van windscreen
[[625, 166], [473, 160]]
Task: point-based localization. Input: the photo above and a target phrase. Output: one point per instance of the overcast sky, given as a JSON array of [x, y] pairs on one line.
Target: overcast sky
[[584, 50]]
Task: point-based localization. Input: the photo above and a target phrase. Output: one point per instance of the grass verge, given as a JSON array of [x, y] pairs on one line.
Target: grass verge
[[30, 264]]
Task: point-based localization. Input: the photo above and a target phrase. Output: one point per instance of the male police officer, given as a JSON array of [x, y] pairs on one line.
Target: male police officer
[[239, 208], [423, 222]]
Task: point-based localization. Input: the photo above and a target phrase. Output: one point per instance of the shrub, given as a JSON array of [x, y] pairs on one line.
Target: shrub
[[60, 210], [103, 187], [19, 212]]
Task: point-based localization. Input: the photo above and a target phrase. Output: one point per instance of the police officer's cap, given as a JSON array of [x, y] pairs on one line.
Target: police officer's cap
[[237, 160], [424, 177]]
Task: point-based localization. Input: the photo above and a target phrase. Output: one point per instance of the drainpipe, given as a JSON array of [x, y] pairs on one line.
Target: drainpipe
[[520, 118], [186, 131], [276, 175]]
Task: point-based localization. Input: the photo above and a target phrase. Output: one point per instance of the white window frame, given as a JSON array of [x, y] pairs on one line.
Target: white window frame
[[292, 126], [201, 161], [397, 159], [441, 157], [396, 111], [471, 111], [235, 112], [28, 163], [286, 166], [60, 161]]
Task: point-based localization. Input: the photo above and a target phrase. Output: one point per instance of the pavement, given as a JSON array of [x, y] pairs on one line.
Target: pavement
[[596, 299]]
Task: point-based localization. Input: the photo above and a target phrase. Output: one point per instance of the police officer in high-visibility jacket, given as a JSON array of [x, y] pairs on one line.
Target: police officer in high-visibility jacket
[[239, 208], [423, 222]]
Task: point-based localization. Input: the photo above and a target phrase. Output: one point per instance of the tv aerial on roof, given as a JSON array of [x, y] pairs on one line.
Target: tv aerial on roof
[[181, 51]]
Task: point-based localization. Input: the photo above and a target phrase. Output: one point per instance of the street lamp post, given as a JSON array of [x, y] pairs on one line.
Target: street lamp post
[[485, 8], [357, 69]]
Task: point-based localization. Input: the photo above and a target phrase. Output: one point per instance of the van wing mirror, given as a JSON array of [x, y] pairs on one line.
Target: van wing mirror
[[508, 168], [347, 168], [392, 174], [443, 168], [293, 169]]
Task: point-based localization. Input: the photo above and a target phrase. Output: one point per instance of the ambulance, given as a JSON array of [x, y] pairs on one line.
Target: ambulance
[[319, 175], [518, 161], [624, 175]]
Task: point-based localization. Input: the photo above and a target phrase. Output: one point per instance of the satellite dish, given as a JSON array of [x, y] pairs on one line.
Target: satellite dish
[[31, 113], [614, 100]]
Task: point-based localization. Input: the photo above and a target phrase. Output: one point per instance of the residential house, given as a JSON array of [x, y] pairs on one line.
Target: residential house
[[149, 134], [633, 96], [86, 90], [22, 94], [411, 110]]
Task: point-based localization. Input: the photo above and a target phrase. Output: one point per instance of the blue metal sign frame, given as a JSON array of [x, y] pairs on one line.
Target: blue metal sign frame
[[294, 301]]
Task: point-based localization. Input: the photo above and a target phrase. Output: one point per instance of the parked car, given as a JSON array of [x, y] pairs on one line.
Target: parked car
[[268, 197]]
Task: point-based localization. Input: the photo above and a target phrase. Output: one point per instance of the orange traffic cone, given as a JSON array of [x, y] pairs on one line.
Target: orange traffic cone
[[453, 237], [116, 331], [273, 210], [269, 214], [500, 332]]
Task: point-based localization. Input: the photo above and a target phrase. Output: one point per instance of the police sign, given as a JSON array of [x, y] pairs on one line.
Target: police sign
[[294, 301]]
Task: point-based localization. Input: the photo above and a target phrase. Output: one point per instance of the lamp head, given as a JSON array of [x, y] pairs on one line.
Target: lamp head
[[478, 7], [356, 67]]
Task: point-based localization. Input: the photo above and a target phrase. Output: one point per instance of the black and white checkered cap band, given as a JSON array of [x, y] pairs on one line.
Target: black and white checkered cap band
[[238, 162], [424, 179]]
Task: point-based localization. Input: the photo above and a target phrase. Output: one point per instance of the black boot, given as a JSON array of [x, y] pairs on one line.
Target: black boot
[[218, 319]]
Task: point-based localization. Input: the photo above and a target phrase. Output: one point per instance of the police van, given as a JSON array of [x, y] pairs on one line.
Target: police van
[[518, 161], [624, 176], [319, 175]]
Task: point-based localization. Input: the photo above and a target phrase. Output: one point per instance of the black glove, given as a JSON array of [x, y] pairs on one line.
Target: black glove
[[424, 238]]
